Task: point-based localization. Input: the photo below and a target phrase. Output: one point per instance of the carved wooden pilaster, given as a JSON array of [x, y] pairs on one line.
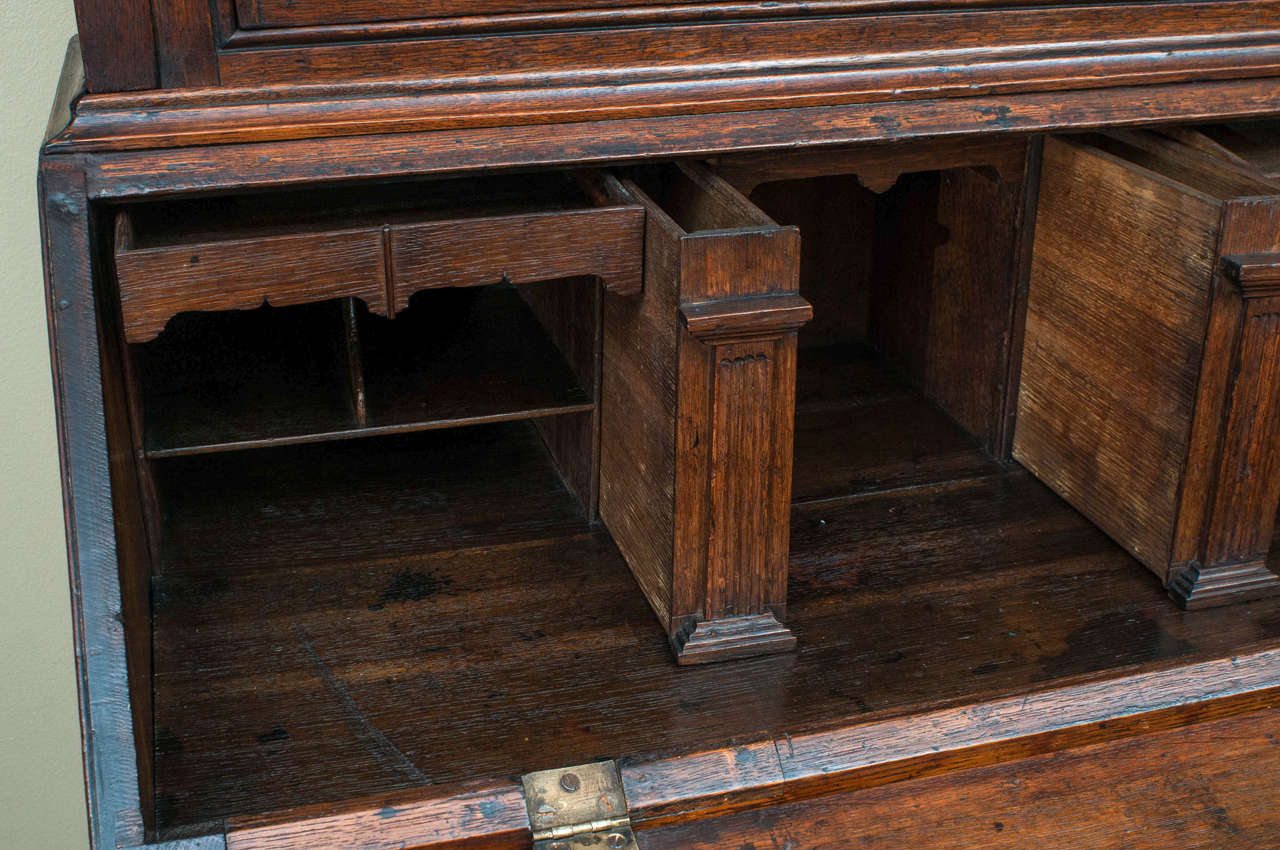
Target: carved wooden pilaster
[[737, 411], [1241, 505], [698, 409]]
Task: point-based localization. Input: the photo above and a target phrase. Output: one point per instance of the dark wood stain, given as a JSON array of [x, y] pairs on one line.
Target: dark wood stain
[[1126, 635], [777, 390], [411, 587], [1221, 773], [910, 632], [1141, 357]]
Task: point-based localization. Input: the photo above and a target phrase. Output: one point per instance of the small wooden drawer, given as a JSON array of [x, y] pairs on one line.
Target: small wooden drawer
[[163, 272], [378, 244], [520, 248]]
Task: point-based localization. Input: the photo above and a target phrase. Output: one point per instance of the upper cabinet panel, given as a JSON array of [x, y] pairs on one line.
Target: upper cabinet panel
[[961, 49], [272, 70], [785, 52], [253, 14]]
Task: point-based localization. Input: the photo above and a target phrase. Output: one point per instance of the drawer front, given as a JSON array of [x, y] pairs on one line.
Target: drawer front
[[158, 283], [606, 242], [303, 13]]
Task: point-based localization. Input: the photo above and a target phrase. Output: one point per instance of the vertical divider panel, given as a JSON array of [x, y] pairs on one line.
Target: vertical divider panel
[[569, 311], [1229, 497], [1113, 341], [638, 407], [737, 414], [1147, 394], [699, 408], [354, 361]]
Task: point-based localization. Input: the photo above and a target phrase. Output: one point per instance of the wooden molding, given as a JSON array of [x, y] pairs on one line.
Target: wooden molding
[[732, 637], [225, 167], [562, 75], [1257, 275], [297, 29], [729, 320], [1196, 586], [1036, 46]]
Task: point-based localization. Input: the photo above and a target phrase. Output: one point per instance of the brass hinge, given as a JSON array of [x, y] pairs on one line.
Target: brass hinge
[[578, 807]]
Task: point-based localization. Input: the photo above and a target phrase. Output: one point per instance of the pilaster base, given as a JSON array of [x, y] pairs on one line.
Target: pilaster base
[[1206, 587], [732, 637]]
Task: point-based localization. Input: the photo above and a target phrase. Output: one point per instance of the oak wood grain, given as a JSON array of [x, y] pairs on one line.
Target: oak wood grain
[[877, 166], [723, 324], [118, 44], [106, 719], [639, 390], [740, 312], [982, 557], [185, 50], [284, 156], [1249, 225], [315, 246], [134, 513], [519, 249], [1206, 785], [904, 600], [157, 283], [1251, 142], [999, 46], [1230, 514], [1119, 300], [467, 816]]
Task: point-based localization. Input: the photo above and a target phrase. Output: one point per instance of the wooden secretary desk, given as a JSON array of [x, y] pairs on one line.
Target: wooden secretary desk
[[410, 356]]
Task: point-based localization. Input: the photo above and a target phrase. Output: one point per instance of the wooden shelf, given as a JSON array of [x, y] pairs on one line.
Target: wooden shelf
[[220, 381], [385, 498], [860, 428], [377, 617], [462, 357], [227, 381]]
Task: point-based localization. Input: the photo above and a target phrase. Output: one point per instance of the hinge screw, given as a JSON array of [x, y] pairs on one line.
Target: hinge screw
[[558, 845], [615, 840], [570, 782]]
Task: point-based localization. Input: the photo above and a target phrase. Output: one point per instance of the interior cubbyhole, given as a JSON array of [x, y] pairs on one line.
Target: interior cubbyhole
[[222, 381], [378, 567], [904, 370], [409, 472]]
